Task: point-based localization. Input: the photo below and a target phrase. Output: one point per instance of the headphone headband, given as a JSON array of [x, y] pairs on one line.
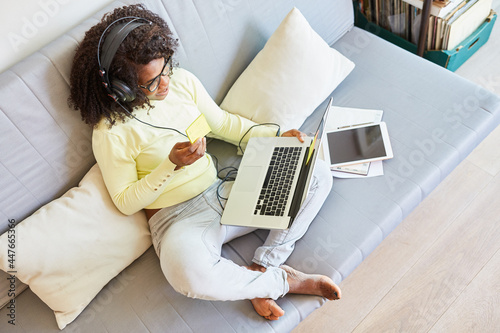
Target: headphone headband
[[117, 89]]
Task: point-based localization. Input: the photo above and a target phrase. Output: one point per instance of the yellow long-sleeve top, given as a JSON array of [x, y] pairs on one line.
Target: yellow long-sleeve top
[[133, 157]]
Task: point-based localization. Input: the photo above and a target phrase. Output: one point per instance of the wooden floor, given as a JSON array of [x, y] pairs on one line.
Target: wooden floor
[[439, 270]]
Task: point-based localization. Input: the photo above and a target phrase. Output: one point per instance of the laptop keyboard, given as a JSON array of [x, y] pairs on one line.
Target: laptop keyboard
[[277, 185]]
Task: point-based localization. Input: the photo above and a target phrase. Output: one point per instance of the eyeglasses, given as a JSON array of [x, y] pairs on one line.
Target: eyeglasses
[[155, 82]]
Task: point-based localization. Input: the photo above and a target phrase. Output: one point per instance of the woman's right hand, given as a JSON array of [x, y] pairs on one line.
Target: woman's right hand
[[186, 153]]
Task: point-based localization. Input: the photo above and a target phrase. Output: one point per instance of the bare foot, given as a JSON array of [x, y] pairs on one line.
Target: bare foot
[[266, 307], [311, 284]]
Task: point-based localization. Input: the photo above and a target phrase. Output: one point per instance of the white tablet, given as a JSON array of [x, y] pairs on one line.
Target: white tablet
[[359, 144]]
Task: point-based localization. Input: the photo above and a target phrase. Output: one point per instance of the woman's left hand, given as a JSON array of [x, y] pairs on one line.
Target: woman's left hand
[[296, 133]]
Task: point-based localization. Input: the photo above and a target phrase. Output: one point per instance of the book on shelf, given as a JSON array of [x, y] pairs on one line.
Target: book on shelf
[[438, 8], [450, 23], [447, 33], [464, 22]]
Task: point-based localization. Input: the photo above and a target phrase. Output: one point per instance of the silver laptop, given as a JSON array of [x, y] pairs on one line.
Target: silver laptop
[[273, 180]]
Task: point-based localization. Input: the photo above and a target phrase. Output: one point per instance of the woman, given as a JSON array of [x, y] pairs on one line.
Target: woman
[[139, 107]]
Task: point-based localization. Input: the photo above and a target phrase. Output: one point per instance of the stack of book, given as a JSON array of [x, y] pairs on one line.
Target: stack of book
[[450, 23]]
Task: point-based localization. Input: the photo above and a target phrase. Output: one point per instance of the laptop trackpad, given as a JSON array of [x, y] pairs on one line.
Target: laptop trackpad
[[247, 177]]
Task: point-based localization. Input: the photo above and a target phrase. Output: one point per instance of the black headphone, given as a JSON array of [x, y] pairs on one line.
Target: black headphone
[[117, 89]]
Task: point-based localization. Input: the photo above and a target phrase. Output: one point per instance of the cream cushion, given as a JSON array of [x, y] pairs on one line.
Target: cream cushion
[[69, 249], [289, 78]]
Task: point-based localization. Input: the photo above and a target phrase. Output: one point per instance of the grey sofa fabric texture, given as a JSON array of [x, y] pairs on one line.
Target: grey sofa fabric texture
[[434, 117]]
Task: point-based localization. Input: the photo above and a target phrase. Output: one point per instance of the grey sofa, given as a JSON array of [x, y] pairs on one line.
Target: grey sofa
[[435, 119]]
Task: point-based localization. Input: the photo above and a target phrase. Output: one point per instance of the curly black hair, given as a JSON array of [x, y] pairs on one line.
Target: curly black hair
[[143, 44]]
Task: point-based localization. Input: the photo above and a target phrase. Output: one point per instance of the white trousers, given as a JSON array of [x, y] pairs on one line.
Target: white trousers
[[188, 238]]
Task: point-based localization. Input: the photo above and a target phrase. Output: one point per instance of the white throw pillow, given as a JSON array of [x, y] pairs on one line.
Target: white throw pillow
[[289, 78], [69, 249]]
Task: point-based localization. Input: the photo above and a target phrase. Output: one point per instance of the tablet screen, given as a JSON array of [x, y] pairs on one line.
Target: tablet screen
[[356, 144]]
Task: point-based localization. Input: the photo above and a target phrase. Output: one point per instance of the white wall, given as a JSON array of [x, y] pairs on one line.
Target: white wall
[[27, 25]]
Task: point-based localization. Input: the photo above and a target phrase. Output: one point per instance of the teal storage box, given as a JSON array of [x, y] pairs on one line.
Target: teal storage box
[[452, 59]]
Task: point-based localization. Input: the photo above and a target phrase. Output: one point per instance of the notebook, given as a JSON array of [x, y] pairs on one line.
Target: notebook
[[273, 180]]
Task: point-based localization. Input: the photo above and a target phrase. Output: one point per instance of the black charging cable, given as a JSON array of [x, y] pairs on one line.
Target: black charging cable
[[263, 124]]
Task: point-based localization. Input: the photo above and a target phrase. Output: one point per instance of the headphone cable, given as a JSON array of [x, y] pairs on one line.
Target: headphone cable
[[146, 123]]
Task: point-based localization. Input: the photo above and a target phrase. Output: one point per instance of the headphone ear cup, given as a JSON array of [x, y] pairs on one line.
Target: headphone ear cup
[[122, 91]]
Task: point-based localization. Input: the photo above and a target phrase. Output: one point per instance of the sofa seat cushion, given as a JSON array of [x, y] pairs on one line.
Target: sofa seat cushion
[[434, 118]]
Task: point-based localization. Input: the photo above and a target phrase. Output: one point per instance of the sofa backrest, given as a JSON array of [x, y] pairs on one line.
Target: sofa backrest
[[226, 35], [45, 148]]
